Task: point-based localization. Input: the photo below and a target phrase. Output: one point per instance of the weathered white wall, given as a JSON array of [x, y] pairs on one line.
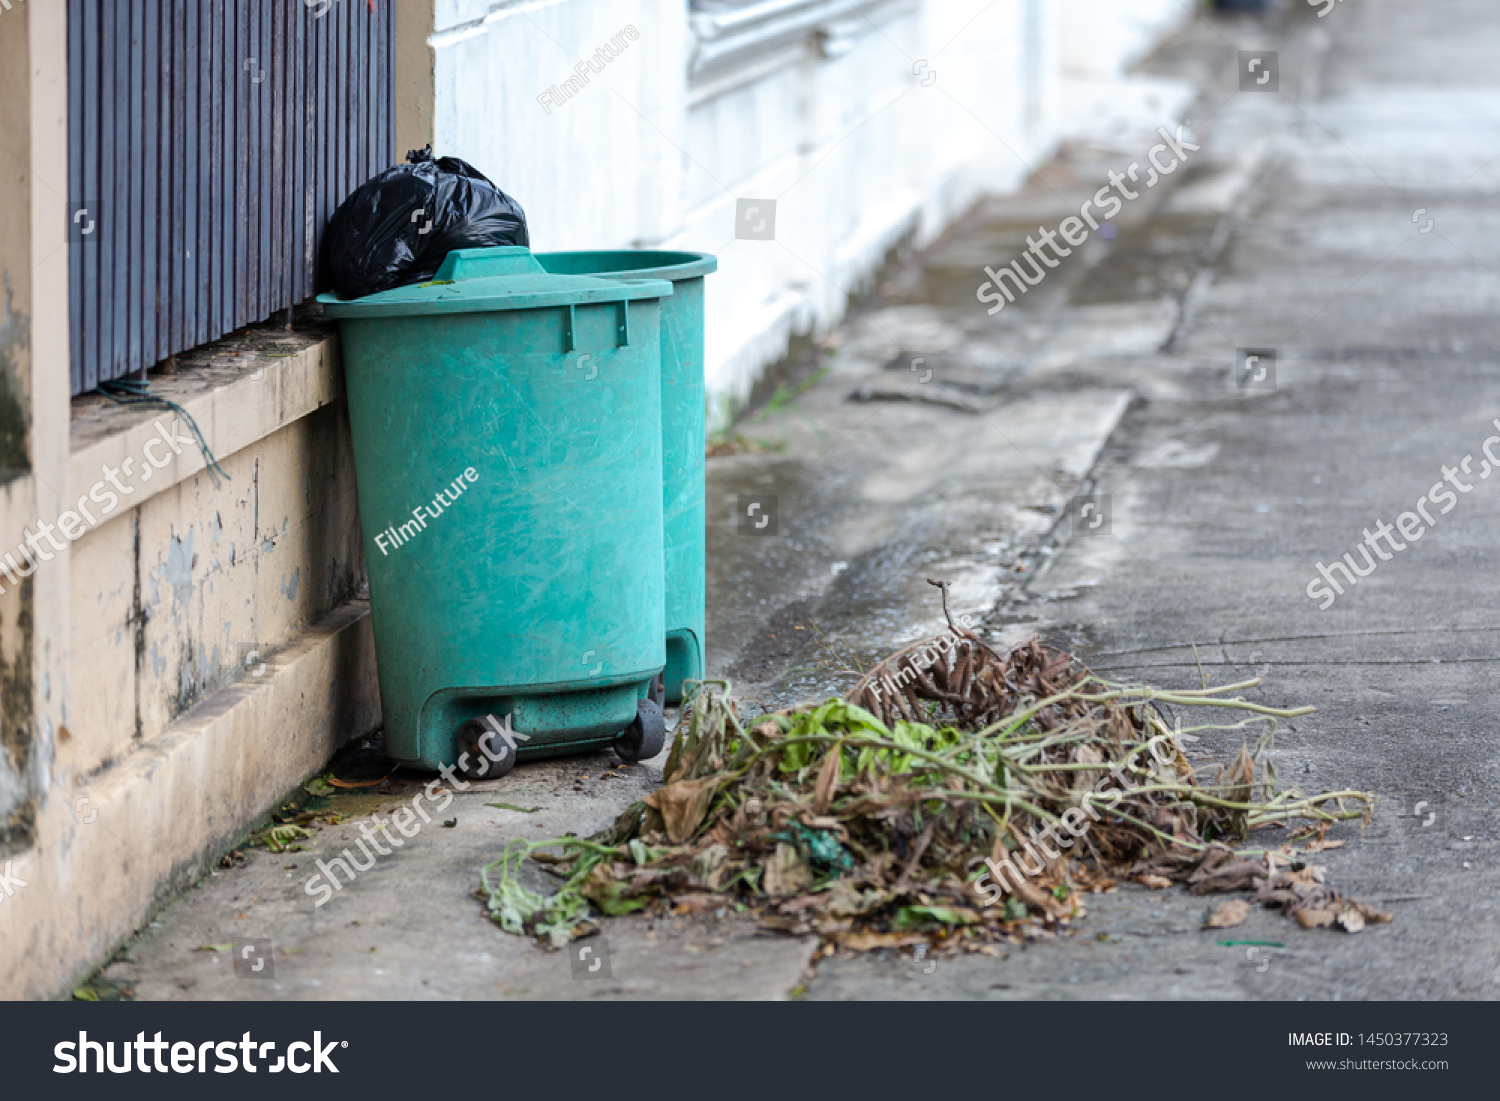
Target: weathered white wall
[[601, 170], [1097, 42], [1100, 39], [883, 120]]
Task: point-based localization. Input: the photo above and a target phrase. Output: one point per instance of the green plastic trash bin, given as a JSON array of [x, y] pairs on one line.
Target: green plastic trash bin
[[507, 446], [682, 414]]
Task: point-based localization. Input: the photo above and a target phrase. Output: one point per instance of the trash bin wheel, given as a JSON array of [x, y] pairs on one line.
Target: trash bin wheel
[[473, 738], [645, 737]]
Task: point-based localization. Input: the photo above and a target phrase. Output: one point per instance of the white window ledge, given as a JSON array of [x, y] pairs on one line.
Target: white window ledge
[[732, 33]]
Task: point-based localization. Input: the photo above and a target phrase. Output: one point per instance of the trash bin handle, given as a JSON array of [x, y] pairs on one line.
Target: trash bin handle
[[622, 329], [487, 263]]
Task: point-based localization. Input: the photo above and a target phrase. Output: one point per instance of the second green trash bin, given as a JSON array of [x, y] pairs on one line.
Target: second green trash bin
[[507, 444], [682, 417]]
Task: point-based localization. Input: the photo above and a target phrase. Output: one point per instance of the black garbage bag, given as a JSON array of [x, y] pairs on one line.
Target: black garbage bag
[[396, 228]]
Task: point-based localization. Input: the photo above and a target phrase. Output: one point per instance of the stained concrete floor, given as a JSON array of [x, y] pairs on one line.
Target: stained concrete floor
[[1294, 229]]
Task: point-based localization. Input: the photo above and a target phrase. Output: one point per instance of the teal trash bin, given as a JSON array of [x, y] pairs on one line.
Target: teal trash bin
[[507, 447], [682, 417]]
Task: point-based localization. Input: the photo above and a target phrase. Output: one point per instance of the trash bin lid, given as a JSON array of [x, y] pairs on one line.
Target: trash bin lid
[[632, 263], [487, 280]]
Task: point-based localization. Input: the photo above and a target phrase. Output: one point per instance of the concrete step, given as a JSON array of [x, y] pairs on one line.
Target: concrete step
[[149, 824]]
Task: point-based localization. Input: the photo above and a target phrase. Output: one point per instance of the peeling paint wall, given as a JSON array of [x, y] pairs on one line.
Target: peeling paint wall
[[124, 681], [190, 591], [15, 415], [17, 774], [20, 766], [18, 780]]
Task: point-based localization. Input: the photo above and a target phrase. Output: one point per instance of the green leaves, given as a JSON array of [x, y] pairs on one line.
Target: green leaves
[[820, 848], [918, 917], [831, 820]]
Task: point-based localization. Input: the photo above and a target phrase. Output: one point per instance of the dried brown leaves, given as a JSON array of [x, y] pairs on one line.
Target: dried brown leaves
[[876, 820]]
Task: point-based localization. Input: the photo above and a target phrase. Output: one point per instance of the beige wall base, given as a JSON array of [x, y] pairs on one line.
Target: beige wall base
[[109, 852]]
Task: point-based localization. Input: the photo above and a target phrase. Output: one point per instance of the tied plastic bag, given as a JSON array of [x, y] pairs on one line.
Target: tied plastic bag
[[396, 228]]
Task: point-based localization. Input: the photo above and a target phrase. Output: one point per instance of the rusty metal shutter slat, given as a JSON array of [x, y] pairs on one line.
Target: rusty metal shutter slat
[[297, 131], [119, 222], [86, 250], [251, 278], [75, 191], [211, 234], [135, 101], [226, 248], [177, 312], [340, 119], [149, 13], [192, 159], [108, 198]]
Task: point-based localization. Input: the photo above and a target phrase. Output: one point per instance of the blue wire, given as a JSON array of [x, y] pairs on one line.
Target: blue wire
[[135, 392]]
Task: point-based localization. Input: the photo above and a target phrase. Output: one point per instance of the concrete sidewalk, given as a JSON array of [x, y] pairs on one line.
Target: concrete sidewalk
[[942, 441], [1223, 500]]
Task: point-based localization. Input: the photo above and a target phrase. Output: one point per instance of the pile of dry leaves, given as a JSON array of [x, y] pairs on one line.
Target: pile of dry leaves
[[879, 819]]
